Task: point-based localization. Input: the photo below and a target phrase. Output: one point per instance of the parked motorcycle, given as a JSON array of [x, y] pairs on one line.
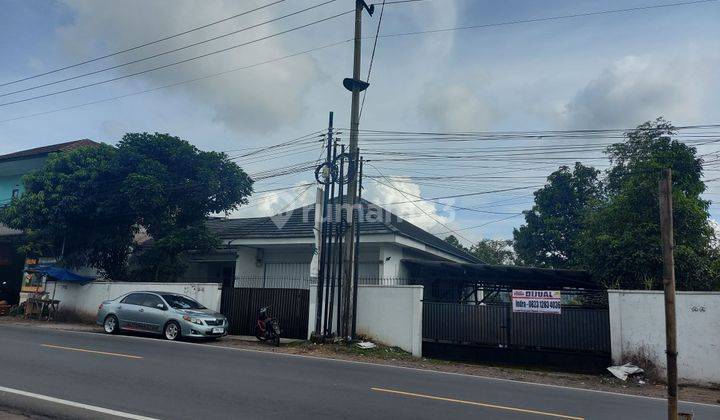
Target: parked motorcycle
[[4, 292], [267, 328]]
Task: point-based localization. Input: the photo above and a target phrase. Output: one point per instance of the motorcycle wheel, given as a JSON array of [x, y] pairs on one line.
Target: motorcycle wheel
[[258, 334], [276, 341]]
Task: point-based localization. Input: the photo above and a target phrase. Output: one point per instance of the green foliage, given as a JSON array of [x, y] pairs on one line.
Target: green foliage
[[612, 228], [553, 226], [494, 251], [452, 240], [621, 244], [489, 251], [71, 203], [179, 185], [86, 205]]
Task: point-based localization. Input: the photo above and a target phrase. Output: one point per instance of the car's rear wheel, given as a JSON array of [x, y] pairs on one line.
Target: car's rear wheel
[[111, 325], [172, 331]]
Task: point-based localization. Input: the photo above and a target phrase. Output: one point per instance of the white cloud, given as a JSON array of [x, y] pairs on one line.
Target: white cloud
[[424, 214], [275, 202], [635, 89], [456, 107], [715, 225], [276, 94]]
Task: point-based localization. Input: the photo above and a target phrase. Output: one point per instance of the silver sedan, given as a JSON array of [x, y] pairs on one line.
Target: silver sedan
[[170, 314]]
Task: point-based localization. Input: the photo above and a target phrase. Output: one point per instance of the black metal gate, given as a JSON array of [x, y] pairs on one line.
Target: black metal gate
[[576, 329], [579, 337], [289, 306]]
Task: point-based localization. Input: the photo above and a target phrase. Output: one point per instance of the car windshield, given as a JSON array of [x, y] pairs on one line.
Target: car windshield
[[182, 302]]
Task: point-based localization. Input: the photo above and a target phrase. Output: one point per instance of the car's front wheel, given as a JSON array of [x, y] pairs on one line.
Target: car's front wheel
[[111, 325], [172, 331]]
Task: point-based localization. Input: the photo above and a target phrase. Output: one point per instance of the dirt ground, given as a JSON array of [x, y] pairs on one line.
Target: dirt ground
[[397, 357]]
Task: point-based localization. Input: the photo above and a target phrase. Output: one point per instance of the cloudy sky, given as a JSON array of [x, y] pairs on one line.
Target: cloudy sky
[[612, 70]]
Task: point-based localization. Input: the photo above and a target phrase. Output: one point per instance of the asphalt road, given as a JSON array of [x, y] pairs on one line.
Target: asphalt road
[[64, 374]]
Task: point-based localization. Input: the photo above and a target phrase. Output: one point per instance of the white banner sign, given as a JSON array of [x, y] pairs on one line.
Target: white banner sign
[[536, 301]]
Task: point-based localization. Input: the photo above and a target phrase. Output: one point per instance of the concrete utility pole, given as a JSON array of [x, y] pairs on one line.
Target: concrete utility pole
[[668, 243], [354, 85]]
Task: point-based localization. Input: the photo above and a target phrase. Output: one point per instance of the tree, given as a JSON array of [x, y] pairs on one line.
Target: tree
[[550, 236], [489, 251], [452, 240], [70, 211], [621, 243], [179, 186], [494, 251], [87, 204]]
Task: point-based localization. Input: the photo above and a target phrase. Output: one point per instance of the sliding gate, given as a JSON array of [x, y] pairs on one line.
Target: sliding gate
[[289, 306], [577, 339]]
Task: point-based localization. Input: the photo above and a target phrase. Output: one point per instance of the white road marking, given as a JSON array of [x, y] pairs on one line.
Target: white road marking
[[105, 353], [478, 404], [75, 404]]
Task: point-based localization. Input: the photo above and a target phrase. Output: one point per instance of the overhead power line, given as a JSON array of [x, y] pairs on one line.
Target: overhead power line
[[338, 43], [372, 57], [430, 200], [315, 22], [182, 82], [136, 47], [418, 207], [160, 54], [529, 133], [548, 18], [480, 225], [472, 194]]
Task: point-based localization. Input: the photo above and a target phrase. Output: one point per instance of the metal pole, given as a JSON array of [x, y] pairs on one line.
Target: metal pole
[[356, 219], [331, 234], [323, 236], [338, 269], [354, 125], [666, 233]]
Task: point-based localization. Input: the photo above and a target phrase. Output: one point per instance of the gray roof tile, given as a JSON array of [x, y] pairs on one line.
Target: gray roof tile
[[299, 222]]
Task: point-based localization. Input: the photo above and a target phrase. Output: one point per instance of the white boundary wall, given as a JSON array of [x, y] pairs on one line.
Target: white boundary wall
[[637, 324], [391, 315], [84, 299]]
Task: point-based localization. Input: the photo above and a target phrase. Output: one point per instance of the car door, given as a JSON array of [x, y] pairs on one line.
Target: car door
[[153, 317], [129, 311]]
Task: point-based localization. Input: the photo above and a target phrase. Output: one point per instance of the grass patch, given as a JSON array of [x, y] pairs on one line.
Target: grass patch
[[381, 351]]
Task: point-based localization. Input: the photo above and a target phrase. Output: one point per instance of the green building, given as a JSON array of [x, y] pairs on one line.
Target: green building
[[12, 168]]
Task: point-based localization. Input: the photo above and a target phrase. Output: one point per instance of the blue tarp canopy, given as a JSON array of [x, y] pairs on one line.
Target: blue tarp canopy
[[61, 274]]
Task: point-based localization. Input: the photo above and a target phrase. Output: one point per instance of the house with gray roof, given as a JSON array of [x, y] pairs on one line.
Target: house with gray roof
[[276, 251]]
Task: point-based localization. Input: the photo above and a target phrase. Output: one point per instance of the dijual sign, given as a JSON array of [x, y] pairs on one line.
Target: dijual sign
[[536, 301]]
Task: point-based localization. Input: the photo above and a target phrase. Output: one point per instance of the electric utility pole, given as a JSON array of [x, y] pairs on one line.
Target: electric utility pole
[[668, 244], [354, 85]]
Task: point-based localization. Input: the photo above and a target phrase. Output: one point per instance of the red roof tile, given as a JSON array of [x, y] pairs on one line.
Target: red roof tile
[[44, 150]]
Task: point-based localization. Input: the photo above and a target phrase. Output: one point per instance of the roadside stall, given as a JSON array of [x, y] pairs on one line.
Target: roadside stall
[[40, 302]]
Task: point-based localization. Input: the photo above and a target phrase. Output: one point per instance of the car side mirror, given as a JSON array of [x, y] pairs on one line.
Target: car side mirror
[[161, 306]]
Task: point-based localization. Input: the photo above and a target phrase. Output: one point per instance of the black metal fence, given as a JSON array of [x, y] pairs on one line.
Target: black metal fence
[[576, 329], [273, 282], [304, 282], [289, 306]]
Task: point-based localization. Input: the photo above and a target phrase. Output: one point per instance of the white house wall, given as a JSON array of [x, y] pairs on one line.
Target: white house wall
[[246, 264], [85, 299], [258, 259], [390, 261], [637, 326], [391, 315], [293, 261]]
